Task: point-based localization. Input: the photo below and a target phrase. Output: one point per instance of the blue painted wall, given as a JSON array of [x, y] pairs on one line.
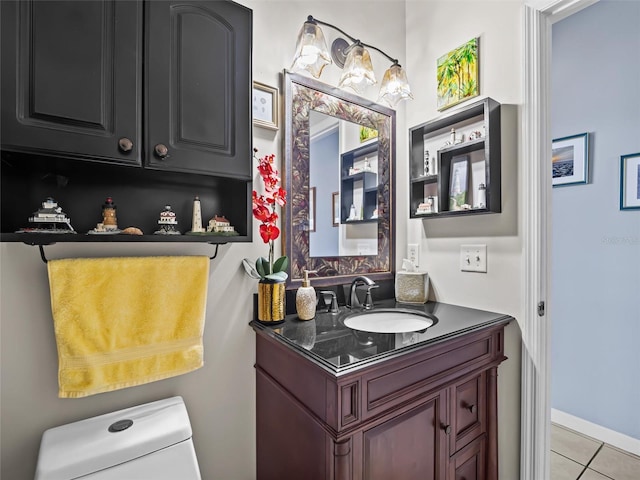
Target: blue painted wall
[[595, 299], [324, 175]]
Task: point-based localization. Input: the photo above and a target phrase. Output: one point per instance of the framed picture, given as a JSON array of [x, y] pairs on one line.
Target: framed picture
[[458, 182], [457, 75], [312, 209], [265, 106], [367, 133], [335, 209], [630, 181], [570, 159]]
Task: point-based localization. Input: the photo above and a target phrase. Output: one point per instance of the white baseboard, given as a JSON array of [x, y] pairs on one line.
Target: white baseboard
[[619, 440]]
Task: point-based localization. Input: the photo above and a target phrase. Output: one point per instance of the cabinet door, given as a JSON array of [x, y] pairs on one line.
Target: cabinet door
[[71, 77], [198, 79], [469, 463], [409, 446]]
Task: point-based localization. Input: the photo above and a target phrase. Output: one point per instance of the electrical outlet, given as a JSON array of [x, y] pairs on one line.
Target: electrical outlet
[[473, 258], [413, 253]]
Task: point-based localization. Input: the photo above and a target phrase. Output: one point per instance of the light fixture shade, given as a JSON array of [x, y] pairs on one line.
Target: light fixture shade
[[395, 86], [358, 70], [312, 53]]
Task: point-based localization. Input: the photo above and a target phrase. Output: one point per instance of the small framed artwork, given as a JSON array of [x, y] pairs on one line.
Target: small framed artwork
[[457, 75], [312, 209], [630, 181], [570, 160], [458, 182], [335, 209], [367, 133], [265, 106]]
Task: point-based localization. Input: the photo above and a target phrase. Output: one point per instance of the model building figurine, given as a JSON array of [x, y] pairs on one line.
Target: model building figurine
[[220, 225], [49, 219], [168, 222], [109, 224], [196, 223]]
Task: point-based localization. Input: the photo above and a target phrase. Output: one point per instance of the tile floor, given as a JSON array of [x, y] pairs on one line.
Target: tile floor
[[575, 456]]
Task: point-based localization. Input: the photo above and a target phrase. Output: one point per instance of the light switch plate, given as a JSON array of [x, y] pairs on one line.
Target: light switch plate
[[473, 258]]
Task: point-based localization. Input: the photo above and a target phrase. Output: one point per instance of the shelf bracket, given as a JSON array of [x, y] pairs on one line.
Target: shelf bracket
[[42, 255]]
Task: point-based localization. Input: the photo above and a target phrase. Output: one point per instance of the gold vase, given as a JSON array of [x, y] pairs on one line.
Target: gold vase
[[271, 300]]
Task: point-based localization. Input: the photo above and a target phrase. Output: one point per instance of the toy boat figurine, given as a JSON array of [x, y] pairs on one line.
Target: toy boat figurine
[[49, 219]]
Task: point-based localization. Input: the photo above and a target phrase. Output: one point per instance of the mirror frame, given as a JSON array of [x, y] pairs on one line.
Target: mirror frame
[[303, 94]]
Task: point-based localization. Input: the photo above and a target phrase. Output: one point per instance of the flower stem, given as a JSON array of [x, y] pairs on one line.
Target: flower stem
[[271, 257]]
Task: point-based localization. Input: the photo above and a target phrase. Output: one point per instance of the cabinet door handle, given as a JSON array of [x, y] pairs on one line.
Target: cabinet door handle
[[447, 429], [125, 145], [472, 408], [161, 150]]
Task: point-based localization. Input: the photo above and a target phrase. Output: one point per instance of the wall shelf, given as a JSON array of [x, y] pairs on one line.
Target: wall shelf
[[359, 189], [447, 174]]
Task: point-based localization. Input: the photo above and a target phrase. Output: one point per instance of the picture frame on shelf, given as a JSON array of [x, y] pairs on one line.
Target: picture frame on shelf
[[335, 209], [630, 182], [570, 160], [457, 75], [458, 182], [265, 106]]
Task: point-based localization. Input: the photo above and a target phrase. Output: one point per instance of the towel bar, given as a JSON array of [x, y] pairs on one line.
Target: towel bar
[[44, 258]]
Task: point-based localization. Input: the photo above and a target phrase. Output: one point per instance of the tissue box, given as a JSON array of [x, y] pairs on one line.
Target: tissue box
[[412, 287]]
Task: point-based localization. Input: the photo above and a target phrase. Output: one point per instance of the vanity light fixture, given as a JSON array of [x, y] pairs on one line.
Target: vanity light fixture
[[312, 55]]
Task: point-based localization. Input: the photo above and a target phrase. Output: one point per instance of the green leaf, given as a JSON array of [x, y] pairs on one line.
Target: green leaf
[[262, 267], [281, 276], [249, 268], [281, 264]]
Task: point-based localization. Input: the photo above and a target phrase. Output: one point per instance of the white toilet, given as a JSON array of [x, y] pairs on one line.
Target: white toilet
[[147, 442]]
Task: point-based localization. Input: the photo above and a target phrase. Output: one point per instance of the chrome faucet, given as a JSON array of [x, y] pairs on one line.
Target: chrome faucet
[[354, 302]]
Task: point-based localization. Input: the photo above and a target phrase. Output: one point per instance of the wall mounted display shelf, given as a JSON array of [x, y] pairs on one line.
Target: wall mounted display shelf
[[359, 184], [148, 117], [455, 162]]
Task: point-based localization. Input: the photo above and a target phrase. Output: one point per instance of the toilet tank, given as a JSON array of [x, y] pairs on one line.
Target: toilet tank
[[150, 441]]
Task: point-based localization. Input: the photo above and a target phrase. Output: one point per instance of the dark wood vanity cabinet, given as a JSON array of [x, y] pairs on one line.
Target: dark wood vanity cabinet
[[165, 84], [426, 414]]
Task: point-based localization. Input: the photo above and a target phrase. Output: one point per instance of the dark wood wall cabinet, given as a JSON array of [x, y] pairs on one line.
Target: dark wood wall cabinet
[[144, 101], [428, 414], [455, 163]]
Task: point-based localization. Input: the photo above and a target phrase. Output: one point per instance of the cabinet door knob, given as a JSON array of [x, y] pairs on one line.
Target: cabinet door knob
[[472, 408], [161, 150], [447, 429], [125, 145]]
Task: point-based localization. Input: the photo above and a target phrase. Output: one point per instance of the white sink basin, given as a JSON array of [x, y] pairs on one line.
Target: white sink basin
[[389, 321]]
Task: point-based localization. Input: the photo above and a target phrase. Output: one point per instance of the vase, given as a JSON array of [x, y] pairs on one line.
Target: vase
[[271, 300]]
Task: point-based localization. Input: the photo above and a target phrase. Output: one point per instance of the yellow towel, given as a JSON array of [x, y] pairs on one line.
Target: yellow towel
[[121, 322]]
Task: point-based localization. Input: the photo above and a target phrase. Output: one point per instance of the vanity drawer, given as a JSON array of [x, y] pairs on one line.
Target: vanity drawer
[[468, 410], [401, 381]]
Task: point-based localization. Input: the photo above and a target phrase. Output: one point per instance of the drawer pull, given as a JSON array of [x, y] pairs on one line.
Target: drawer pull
[[472, 408], [125, 145], [447, 429], [161, 150]]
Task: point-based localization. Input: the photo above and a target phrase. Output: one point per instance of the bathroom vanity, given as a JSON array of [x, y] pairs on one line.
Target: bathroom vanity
[[337, 403]]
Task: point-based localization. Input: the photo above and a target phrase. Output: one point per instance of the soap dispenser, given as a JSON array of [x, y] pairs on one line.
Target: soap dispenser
[[306, 298]]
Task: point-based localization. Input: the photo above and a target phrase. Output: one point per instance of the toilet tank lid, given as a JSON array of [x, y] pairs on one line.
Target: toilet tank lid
[[86, 446]]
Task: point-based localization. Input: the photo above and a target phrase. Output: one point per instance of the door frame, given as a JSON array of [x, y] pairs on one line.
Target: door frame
[[535, 188]]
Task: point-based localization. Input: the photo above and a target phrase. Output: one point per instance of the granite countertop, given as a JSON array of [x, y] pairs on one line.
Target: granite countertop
[[338, 349]]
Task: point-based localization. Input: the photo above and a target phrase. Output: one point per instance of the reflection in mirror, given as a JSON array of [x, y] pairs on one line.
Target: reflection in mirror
[[343, 157], [339, 172]]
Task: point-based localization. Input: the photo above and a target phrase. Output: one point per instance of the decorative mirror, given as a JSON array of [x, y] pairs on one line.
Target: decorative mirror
[[339, 174]]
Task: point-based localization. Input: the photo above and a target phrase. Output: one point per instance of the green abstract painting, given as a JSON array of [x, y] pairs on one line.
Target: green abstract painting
[[458, 75]]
